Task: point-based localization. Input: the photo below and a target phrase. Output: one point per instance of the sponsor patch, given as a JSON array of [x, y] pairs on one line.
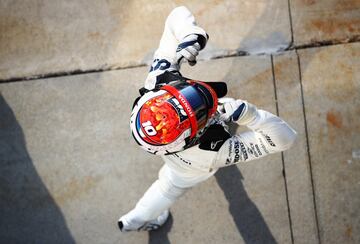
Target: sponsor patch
[[263, 147], [179, 109], [268, 139], [187, 106], [228, 160], [252, 150], [183, 160], [258, 149], [243, 150], [237, 152]]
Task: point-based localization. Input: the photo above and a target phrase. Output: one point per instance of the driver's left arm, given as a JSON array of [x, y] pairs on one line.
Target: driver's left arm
[[181, 41]]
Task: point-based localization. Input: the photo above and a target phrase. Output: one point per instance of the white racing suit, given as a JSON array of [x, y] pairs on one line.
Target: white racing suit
[[267, 134]]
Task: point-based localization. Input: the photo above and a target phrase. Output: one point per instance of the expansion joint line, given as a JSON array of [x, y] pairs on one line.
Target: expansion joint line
[[308, 148], [282, 154]]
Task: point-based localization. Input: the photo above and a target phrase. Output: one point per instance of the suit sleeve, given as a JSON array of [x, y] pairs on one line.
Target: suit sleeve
[[268, 134], [179, 24]]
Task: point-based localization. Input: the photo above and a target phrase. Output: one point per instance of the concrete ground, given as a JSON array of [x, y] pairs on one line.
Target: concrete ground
[[70, 70]]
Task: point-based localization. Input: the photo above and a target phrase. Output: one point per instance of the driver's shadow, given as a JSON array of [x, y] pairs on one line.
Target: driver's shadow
[[246, 215], [160, 236], [28, 212]]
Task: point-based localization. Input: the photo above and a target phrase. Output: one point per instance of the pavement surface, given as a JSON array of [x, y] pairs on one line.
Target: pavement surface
[[70, 70]]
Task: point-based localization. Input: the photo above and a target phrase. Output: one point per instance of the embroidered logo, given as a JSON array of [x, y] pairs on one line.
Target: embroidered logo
[[213, 144]]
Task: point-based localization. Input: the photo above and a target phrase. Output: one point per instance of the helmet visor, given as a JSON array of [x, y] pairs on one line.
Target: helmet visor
[[197, 99]]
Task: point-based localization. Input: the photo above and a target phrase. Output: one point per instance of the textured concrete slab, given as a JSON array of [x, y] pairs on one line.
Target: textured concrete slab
[[46, 37], [65, 159], [69, 167], [322, 21], [255, 191], [331, 83], [296, 160]]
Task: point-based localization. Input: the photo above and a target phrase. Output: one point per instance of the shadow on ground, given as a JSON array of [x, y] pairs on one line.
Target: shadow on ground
[[28, 213], [160, 236], [246, 215]]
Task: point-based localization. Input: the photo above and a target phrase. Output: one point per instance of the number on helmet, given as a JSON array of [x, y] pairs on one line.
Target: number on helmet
[[149, 129]]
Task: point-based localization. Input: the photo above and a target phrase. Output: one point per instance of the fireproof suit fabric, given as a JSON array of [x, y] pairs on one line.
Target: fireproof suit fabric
[[179, 24], [267, 134]]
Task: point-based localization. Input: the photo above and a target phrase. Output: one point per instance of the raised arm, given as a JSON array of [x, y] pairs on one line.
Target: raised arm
[[182, 39]]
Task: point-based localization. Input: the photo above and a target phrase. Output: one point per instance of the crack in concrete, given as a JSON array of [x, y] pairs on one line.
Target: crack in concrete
[[237, 53], [325, 43], [67, 73], [291, 24]]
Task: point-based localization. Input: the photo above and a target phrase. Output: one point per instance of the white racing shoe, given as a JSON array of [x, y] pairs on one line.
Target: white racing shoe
[[147, 226]]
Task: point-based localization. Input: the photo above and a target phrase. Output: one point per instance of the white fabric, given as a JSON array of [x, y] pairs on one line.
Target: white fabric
[[161, 195], [154, 202], [267, 134], [227, 107], [178, 26]]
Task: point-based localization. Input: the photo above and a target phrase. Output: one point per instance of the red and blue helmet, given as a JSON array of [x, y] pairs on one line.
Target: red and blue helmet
[[167, 119]]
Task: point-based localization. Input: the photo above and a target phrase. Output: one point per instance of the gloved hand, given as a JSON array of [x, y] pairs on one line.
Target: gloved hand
[[189, 48], [238, 111]]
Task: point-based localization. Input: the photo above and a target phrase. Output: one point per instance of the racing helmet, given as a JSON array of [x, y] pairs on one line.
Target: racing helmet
[[167, 119]]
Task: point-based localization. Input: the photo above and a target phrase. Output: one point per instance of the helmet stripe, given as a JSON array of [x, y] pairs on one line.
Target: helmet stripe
[[186, 105]]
